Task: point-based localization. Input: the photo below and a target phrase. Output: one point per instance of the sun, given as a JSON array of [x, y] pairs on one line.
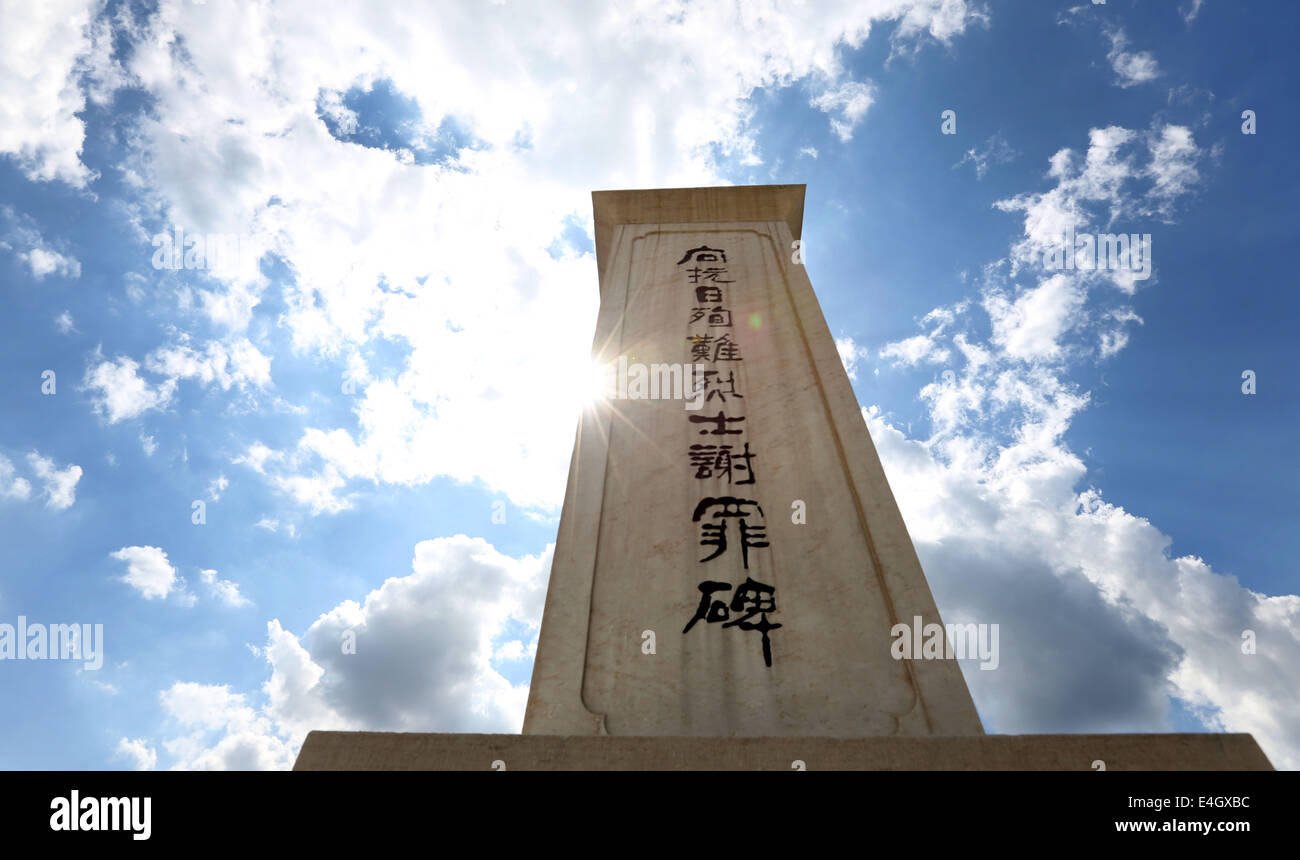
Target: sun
[[596, 383]]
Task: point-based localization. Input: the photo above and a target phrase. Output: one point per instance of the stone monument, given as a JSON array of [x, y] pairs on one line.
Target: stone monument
[[730, 560], [732, 573]]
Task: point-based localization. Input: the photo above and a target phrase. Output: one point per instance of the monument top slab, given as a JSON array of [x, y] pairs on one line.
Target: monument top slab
[[726, 204]]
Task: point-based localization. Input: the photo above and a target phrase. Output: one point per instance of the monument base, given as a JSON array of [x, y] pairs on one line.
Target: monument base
[[419, 751]]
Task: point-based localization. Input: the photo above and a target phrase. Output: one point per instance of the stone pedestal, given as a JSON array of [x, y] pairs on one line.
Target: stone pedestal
[[392, 751]]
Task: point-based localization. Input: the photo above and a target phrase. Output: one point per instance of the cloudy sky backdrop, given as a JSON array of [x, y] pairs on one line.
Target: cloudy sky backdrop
[[398, 350]]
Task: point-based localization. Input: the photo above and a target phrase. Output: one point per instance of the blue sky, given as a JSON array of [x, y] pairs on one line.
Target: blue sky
[[371, 400]]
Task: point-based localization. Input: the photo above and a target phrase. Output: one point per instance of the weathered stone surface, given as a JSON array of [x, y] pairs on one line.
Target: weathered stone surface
[[392, 751], [628, 556]]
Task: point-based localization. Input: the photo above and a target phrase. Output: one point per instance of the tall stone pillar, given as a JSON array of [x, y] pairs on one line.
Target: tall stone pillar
[[730, 559]]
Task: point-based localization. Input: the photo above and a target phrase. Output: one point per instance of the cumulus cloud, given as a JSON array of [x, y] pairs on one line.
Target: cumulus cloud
[[1100, 622], [424, 642], [217, 487], [223, 590], [850, 352], [1127, 181], [138, 752], [238, 363], [1031, 325], [18, 235], [43, 261], [11, 485], [847, 104], [119, 391], [925, 348], [46, 50], [60, 485], [1103, 625], [274, 525], [1131, 67], [995, 150], [216, 729], [914, 350], [150, 573], [446, 256], [415, 655]]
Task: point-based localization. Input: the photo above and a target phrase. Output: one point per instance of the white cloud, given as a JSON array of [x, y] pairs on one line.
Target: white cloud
[[1127, 181], [1101, 622], [44, 50], [221, 731], [449, 260], [138, 752], [223, 589], [424, 641], [1131, 67], [1173, 166], [12, 486], [1004, 537], [1190, 10], [850, 99], [515, 649], [422, 662], [1031, 325], [257, 457], [850, 352], [914, 350], [121, 393], [18, 234], [995, 150], [239, 363], [44, 261], [60, 485], [319, 492], [217, 487], [63, 322], [149, 572]]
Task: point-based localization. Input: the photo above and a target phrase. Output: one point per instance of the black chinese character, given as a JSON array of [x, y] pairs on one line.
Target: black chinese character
[[704, 254], [706, 347], [706, 612], [709, 273], [718, 317], [708, 295], [719, 422], [752, 598], [713, 387], [717, 460], [715, 534]]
